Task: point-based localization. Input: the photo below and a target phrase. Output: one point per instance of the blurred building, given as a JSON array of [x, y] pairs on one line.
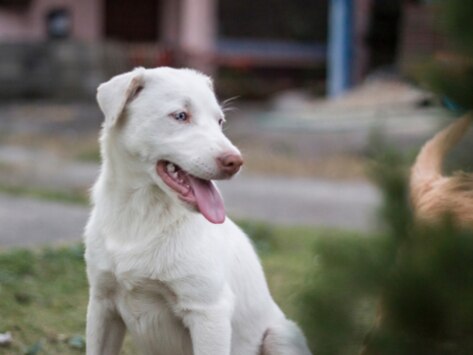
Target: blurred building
[[64, 48], [379, 36], [395, 32], [420, 35], [73, 45]]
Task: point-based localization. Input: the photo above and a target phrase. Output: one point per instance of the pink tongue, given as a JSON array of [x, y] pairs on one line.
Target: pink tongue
[[209, 201]]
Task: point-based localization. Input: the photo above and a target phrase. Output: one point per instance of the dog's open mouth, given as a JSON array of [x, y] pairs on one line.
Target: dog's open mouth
[[200, 193]]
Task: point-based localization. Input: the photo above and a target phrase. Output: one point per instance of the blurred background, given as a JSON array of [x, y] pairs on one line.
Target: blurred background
[[315, 88], [308, 81]]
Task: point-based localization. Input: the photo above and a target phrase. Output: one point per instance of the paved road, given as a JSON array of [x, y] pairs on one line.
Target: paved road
[[351, 205], [315, 202], [30, 222]]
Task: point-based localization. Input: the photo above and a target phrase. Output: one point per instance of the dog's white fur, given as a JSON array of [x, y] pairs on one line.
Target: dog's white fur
[[178, 283]]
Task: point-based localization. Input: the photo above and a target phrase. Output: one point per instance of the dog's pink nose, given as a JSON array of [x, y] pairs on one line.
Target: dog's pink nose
[[230, 163]]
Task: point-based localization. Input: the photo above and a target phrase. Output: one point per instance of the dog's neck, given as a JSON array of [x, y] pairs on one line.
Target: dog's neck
[[127, 189], [119, 168]]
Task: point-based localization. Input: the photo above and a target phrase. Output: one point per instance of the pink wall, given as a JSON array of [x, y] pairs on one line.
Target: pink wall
[[12, 25], [197, 33], [30, 23], [198, 25]]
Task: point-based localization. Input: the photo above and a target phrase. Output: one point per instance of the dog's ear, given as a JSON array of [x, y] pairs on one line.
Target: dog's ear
[[210, 82], [113, 95]]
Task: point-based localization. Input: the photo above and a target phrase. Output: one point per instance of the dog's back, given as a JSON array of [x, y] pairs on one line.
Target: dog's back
[[432, 194]]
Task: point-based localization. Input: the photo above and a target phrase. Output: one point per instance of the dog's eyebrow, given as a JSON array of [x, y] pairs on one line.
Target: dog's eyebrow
[[187, 103]]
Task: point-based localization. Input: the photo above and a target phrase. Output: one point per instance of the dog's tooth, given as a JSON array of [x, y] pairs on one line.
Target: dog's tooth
[[174, 175], [171, 168]]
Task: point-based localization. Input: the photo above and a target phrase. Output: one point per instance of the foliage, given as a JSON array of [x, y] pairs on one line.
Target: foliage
[[451, 72], [405, 291], [408, 290]]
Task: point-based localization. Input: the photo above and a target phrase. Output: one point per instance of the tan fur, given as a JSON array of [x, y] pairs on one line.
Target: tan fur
[[434, 195]]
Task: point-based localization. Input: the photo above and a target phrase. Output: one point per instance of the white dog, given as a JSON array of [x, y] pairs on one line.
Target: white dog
[[163, 262]]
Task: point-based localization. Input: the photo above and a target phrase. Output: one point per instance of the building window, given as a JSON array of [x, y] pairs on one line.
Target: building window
[[58, 24], [15, 4], [141, 23]]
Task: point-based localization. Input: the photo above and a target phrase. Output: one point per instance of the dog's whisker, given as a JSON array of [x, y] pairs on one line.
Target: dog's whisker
[[230, 99], [229, 109], [225, 103]]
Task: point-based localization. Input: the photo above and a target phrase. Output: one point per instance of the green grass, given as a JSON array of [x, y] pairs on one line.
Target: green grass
[[72, 196], [43, 294], [43, 299], [91, 154]]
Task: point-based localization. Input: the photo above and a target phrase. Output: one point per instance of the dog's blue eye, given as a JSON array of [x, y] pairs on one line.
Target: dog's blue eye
[[181, 116]]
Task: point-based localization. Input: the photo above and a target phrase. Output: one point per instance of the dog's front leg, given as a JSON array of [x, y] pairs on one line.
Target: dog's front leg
[[105, 328], [210, 332], [209, 322]]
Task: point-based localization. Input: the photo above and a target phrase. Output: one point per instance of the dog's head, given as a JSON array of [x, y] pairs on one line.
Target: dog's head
[[170, 122]]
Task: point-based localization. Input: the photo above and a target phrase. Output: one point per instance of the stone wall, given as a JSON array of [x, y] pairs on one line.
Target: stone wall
[[60, 70]]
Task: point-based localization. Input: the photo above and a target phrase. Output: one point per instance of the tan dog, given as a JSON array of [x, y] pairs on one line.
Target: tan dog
[[432, 194]]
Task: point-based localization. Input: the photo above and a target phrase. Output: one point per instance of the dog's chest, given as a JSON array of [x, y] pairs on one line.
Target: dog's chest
[[146, 307]]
